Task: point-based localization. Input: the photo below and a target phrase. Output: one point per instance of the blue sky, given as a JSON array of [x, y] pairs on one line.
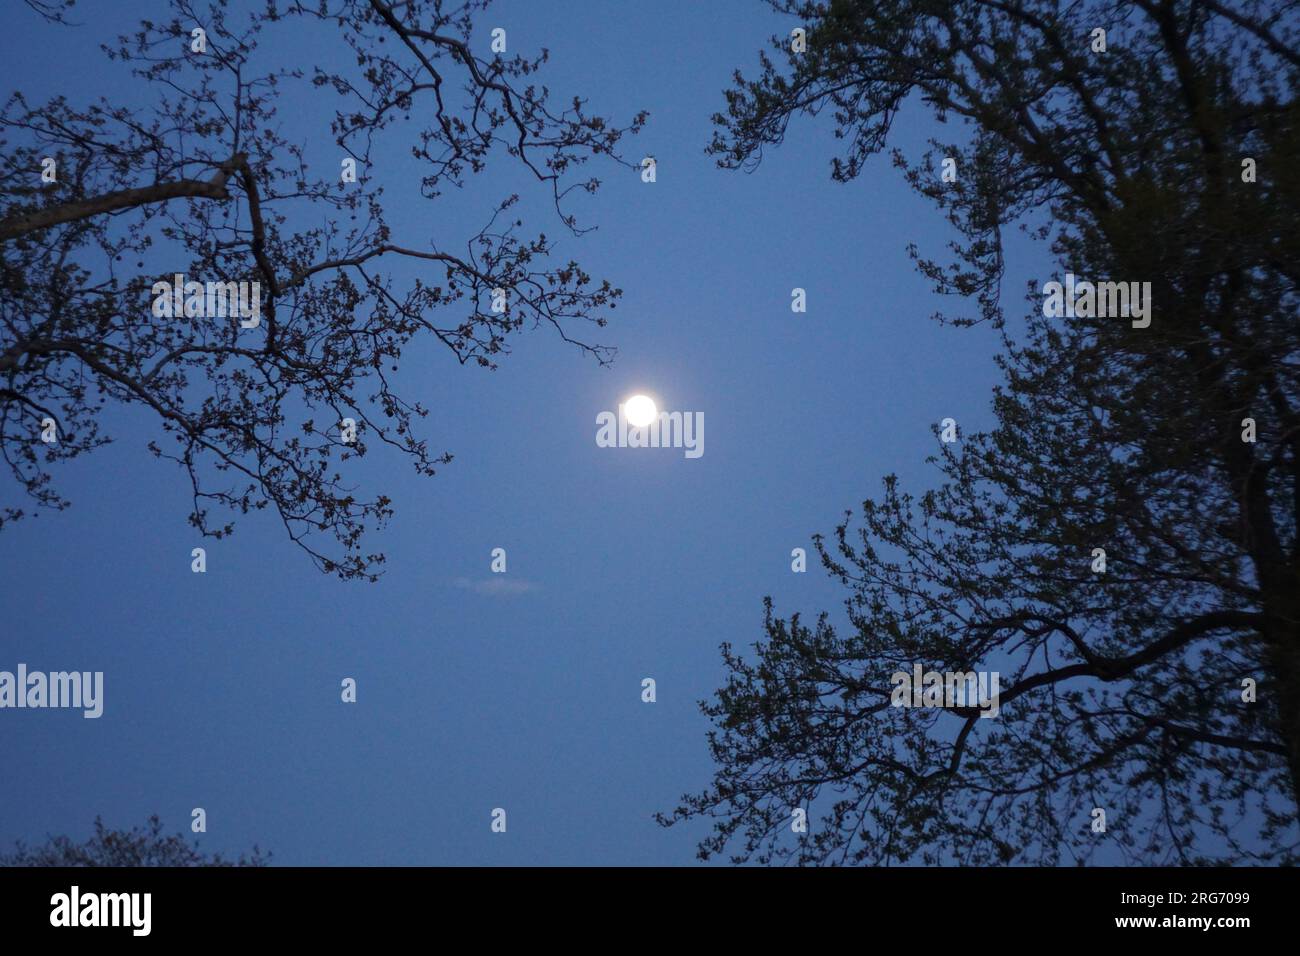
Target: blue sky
[[222, 689]]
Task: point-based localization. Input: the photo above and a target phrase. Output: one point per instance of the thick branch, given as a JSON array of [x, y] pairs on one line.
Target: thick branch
[[214, 188]]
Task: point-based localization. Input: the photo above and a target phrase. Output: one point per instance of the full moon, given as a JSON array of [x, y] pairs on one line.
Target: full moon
[[640, 410]]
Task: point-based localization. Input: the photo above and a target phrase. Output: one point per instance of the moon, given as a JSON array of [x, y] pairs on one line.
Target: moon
[[640, 410]]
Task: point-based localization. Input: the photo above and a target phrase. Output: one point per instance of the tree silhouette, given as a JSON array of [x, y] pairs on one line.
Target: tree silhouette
[[201, 178], [1122, 690], [139, 846]]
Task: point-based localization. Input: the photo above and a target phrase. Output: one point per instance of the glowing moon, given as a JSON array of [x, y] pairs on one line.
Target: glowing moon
[[640, 411]]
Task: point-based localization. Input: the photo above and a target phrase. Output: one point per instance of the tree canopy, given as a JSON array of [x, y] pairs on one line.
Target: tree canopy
[[1165, 154], [139, 846], [101, 199]]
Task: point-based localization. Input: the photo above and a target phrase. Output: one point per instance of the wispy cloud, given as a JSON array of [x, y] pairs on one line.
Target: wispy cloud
[[498, 586]]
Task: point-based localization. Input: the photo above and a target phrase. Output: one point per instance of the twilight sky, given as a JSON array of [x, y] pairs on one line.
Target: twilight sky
[[222, 689]]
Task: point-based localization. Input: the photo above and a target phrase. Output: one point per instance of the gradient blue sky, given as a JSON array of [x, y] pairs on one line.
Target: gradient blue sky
[[222, 690]]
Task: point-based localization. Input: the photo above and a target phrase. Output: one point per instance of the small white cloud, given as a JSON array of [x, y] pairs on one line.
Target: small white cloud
[[498, 586]]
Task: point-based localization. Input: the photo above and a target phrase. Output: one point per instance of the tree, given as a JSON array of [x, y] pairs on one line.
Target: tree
[[199, 179], [1125, 690], [139, 846]]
